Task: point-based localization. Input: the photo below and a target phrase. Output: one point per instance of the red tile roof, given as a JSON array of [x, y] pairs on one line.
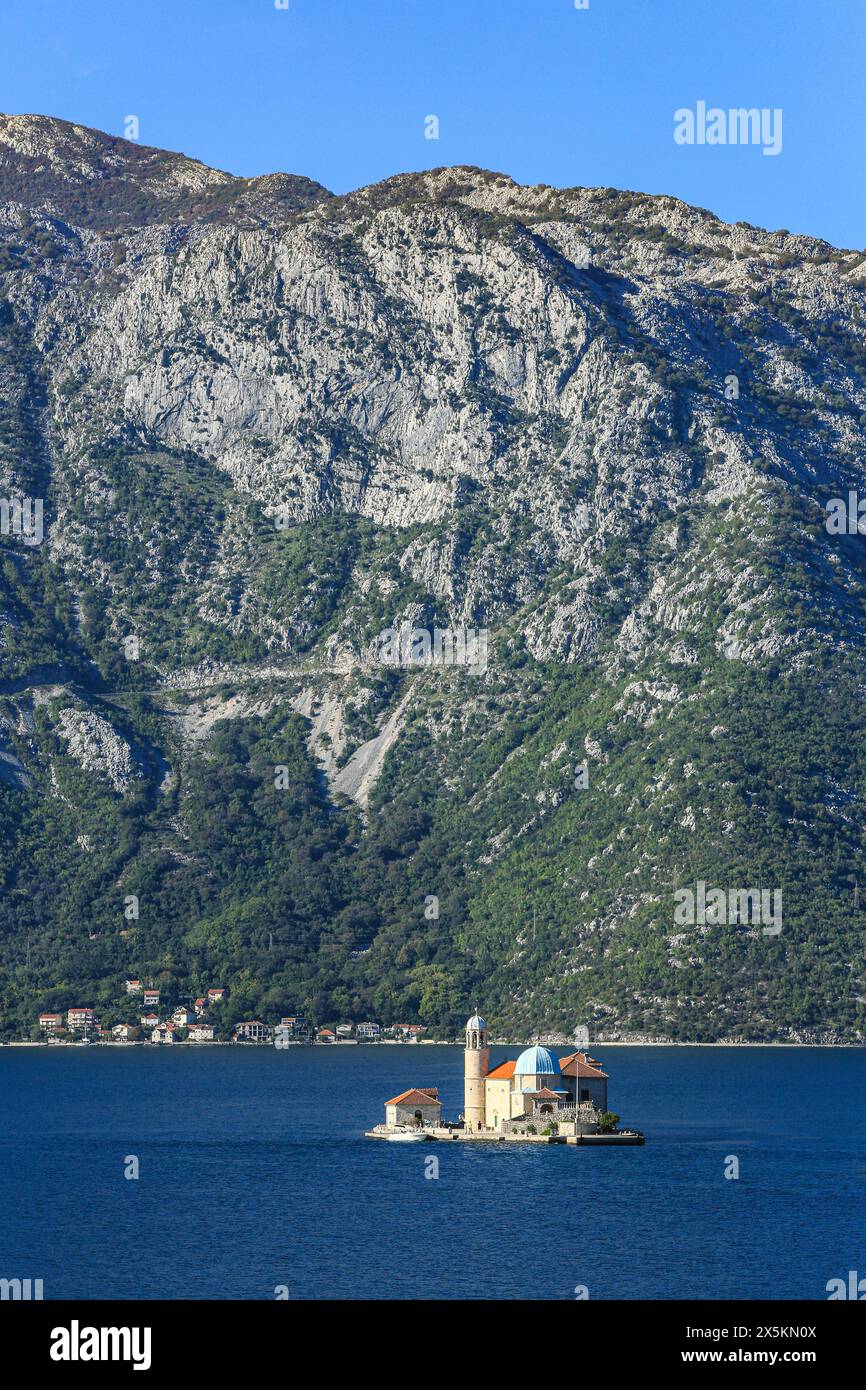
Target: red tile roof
[[416, 1095], [500, 1073], [586, 1066]]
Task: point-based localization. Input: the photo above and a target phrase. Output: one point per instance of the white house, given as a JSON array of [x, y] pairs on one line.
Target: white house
[[296, 1026], [252, 1032], [80, 1018]]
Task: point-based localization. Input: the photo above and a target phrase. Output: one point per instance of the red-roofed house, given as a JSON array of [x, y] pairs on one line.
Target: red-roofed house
[[418, 1106], [411, 1031], [583, 1072]]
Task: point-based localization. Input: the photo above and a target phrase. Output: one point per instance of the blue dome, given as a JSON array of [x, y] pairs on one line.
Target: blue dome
[[536, 1061]]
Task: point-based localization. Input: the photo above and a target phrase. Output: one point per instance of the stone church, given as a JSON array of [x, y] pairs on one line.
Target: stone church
[[537, 1088]]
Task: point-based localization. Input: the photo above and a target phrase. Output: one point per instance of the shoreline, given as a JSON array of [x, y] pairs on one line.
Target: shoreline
[[431, 1042]]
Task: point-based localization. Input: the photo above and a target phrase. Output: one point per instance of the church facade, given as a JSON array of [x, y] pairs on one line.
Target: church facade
[[537, 1089]]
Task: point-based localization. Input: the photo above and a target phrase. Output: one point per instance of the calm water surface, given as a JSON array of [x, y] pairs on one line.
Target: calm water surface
[[254, 1174]]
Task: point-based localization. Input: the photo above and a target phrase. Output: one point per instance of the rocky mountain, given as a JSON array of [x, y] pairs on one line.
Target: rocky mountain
[[94, 180], [593, 433]]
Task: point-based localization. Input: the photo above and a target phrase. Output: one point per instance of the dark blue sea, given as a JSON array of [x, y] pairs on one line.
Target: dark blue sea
[[254, 1174]]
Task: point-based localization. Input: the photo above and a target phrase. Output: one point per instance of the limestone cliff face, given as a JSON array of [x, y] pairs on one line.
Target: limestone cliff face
[[550, 364], [268, 423]]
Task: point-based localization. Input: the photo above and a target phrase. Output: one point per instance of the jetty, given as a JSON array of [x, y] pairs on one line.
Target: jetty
[[617, 1136]]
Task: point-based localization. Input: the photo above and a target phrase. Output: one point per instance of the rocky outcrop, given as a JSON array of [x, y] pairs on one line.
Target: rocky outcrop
[[97, 747]]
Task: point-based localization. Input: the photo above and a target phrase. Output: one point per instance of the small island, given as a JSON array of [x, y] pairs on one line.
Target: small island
[[537, 1099]]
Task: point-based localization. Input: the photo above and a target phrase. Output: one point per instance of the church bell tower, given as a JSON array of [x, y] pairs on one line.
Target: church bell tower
[[476, 1064]]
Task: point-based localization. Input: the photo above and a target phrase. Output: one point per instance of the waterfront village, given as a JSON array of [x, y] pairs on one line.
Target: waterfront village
[[537, 1098], [156, 1020]]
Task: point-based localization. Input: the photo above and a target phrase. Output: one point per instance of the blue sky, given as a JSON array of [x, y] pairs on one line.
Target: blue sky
[[339, 90]]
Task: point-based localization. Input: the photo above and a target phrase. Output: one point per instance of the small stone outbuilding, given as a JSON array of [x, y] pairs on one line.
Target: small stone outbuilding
[[419, 1106]]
